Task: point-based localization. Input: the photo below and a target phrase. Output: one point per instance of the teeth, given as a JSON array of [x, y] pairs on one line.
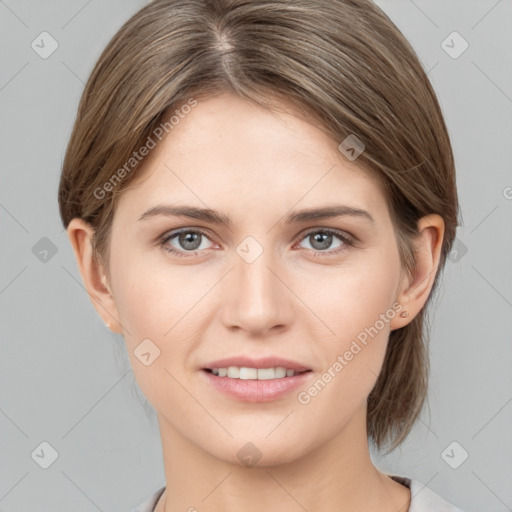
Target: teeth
[[245, 373]]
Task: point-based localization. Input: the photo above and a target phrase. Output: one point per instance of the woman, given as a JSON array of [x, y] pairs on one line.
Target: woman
[[261, 197]]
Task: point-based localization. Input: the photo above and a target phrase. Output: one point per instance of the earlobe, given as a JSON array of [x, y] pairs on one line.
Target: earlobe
[[415, 292], [93, 276]]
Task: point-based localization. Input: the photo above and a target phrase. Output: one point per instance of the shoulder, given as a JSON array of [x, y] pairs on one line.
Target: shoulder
[[149, 504], [423, 499]]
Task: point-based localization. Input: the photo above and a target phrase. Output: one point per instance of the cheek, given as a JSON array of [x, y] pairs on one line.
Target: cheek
[[351, 298], [160, 312], [352, 365], [151, 299], [356, 308]]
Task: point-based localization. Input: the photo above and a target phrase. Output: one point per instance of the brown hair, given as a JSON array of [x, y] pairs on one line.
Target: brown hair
[[342, 62]]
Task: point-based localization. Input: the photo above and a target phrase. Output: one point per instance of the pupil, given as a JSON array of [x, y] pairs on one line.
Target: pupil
[[326, 241], [190, 238]]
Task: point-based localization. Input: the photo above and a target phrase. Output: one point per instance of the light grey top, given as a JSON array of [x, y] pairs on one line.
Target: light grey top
[[422, 498]]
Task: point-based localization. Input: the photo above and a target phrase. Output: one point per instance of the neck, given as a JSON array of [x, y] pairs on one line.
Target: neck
[[337, 475]]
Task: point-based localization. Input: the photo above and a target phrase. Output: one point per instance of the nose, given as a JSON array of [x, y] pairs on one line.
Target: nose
[[256, 298]]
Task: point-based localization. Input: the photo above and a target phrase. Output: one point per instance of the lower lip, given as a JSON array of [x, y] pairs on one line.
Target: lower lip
[[252, 390]]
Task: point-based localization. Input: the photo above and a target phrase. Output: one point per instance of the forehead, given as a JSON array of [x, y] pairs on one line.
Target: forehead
[[229, 147]]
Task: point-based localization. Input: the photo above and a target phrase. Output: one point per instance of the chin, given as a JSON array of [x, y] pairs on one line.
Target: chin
[[257, 451]]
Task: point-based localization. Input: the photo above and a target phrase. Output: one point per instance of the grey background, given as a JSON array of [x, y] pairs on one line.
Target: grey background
[[66, 380]]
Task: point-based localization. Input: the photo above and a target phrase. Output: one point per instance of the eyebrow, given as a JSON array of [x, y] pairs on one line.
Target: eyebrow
[[215, 217]]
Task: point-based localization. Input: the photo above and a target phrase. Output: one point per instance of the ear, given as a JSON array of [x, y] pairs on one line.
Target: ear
[[414, 292], [93, 275]]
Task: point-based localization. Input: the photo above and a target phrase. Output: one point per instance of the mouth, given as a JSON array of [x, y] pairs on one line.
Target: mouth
[[247, 384], [249, 373]]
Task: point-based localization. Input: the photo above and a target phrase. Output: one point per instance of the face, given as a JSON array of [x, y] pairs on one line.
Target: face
[[320, 292]]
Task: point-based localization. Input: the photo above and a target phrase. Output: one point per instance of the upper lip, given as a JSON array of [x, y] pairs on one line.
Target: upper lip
[[262, 362]]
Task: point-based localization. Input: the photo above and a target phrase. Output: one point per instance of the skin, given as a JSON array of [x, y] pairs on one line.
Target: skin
[[294, 301]]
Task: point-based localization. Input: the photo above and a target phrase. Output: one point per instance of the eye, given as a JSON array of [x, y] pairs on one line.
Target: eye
[[189, 241], [322, 239]]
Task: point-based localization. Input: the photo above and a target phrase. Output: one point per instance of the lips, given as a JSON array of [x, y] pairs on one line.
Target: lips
[[256, 390], [262, 362]]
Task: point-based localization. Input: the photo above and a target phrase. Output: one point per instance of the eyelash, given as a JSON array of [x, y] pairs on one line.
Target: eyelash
[[348, 241]]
